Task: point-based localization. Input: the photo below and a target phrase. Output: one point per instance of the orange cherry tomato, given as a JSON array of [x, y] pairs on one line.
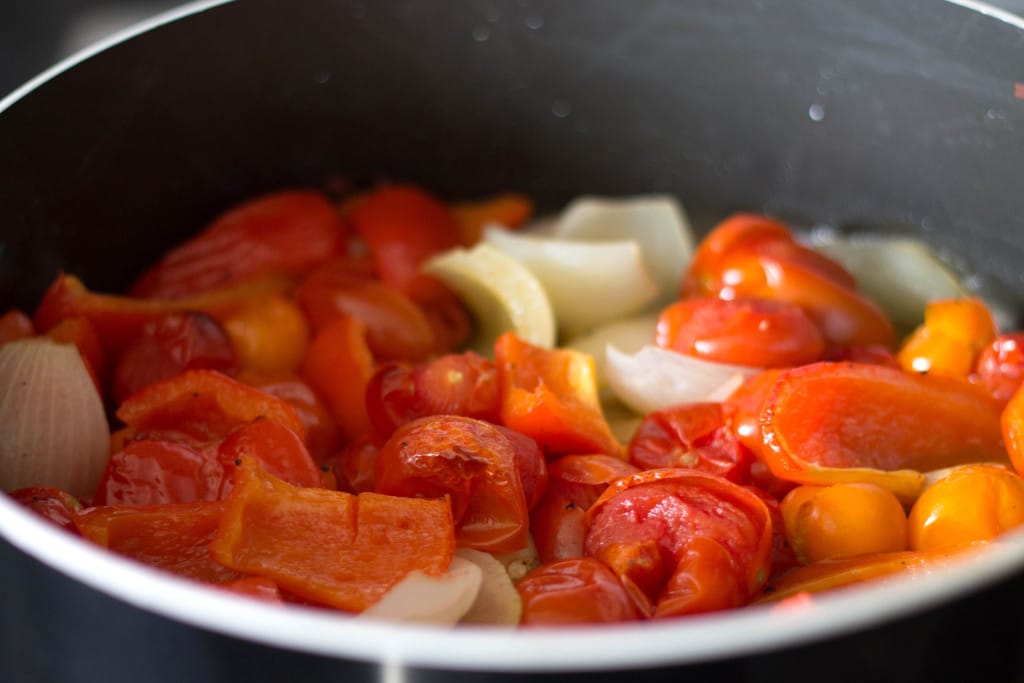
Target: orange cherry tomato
[[753, 332], [269, 335], [843, 520], [1000, 366], [954, 332], [473, 464], [574, 591], [972, 503]]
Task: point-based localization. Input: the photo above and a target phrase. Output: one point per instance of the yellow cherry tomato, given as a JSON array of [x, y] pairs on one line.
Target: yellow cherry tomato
[[269, 335], [843, 520], [953, 334], [972, 503]]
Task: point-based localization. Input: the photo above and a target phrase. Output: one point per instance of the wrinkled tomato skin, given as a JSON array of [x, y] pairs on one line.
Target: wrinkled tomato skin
[[168, 347], [152, 472], [530, 464], [322, 437], [279, 450], [1000, 366], [575, 591], [391, 398], [755, 332], [558, 522], [55, 505], [472, 463], [682, 541], [693, 436]]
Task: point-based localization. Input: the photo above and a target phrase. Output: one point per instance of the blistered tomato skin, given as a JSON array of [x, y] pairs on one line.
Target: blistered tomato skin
[[574, 591], [472, 463], [843, 521], [972, 503], [1000, 366], [682, 541]]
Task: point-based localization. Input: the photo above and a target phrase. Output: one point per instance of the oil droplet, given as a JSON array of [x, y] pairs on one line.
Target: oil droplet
[[561, 108], [481, 33], [816, 112], [534, 21]]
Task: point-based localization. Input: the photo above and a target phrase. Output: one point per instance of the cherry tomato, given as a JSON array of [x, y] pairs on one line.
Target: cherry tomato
[[871, 354], [682, 541], [693, 436], [783, 556], [169, 346], [53, 504], [151, 472], [396, 329], [269, 334], [972, 503], [354, 465], [530, 464], [575, 591], [1000, 366], [753, 332], [471, 462], [279, 451], [558, 523], [842, 521]]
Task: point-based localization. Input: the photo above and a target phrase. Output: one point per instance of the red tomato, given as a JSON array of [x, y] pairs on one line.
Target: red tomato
[[576, 591], [286, 232], [169, 346], [871, 354], [693, 436], [53, 504], [457, 384], [151, 472], [682, 541], [558, 522], [279, 451], [1000, 367], [470, 461], [355, 464], [530, 464], [396, 328], [751, 332]]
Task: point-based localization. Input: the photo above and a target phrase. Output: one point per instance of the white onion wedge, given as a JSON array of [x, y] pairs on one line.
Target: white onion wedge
[[629, 336], [498, 602], [588, 283], [502, 294], [423, 599], [654, 378], [657, 222], [53, 430]]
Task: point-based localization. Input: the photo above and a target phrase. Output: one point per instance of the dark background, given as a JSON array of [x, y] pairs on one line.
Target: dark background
[[34, 34]]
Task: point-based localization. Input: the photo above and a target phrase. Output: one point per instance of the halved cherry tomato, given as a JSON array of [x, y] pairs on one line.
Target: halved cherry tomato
[[204, 404], [558, 522], [551, 395], [1000, 365], [843, 520], [473, 464], [694, 436], [903, 424], [330, 547], [283, 232], [755, 332], [150, 471], [173, 537], [338, 366], [53, 504], [574, 591], [168, 347], [396, 328], [14, 325], [682, 541], [971, 503]]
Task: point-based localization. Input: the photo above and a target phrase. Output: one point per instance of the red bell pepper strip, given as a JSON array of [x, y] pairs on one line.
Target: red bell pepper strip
[[330, 547], [551, 395], [828, 423]]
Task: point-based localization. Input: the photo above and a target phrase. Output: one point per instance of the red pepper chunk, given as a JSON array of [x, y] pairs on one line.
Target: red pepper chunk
[[551, 395], [471, 463], [682, 541], [829, 423], [172, 537], [204, 404], [330, 547]]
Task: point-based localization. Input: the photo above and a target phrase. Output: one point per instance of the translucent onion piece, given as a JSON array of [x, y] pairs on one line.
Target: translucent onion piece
[[502, 294], [657, 222], [498, 602], [900, 275], [588, 283], [53, 430], [655, 378], [629, 336], [419, 598]]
